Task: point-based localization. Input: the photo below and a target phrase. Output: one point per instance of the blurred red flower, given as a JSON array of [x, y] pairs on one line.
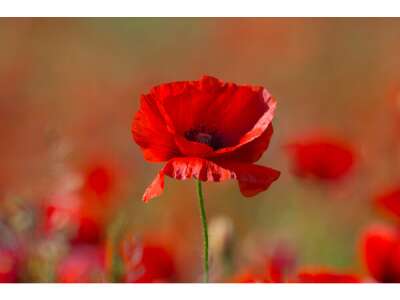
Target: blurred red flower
[[249, 277], [380, 250], [316, 276], [147, 262], [389, 202], [81, 226], [279, 267], [8, 266], [84, 264], [325, 276], [99, 180], [323, 158], [82, 212], [281, 263], [208, 130]]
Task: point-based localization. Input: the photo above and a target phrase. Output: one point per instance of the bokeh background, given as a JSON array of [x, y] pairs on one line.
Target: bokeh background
[[69, 89]]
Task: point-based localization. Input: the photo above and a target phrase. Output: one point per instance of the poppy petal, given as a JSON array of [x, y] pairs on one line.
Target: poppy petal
[[183, 103], [186, 168], [156, 188], [190, 148], [252, 179], [150, 132], [268, 107], [250, 152]]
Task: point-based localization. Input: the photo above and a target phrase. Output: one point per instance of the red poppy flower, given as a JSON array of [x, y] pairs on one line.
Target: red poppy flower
[[84, 264], [326, 276], [208, 130], [8, 266], [323, 158], [389, 202], [147, 262], [380, 249]]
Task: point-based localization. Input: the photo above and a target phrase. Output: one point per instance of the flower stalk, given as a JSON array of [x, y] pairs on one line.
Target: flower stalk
[[205, 229]]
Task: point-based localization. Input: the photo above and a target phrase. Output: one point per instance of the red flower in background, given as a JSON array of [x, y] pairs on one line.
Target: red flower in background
[[99, 180], [82, 227], [250, 277], [207, 130], [326, 276], [389, 202], [380, 250], [84, 264], [317, 276], [147, 262], [323, 158], [83, 212], [279, 267], [281, 263], [8, 266]]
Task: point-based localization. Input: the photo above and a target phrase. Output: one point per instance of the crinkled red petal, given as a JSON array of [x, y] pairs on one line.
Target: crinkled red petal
[[250, 152], [151, 134], [252, 178]]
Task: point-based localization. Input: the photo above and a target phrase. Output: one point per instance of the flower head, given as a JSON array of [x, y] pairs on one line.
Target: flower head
[[147, 262], [380, 250], [389, 202], [322, 158], [99, 180], [208, 130]]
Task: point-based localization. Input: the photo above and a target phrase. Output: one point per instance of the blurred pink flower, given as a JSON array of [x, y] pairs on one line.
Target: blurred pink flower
[[8, 266], [84, 264]]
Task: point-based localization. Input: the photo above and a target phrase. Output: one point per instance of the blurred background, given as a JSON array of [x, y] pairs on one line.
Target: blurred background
[[69, 89]]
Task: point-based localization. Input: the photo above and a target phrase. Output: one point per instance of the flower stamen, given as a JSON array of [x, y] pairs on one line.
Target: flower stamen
[[203, 137]]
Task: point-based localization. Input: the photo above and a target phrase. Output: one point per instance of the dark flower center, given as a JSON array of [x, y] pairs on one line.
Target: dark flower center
[[204, 137]]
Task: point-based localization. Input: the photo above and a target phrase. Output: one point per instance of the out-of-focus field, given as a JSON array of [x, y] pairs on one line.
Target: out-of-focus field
[[69, 89]]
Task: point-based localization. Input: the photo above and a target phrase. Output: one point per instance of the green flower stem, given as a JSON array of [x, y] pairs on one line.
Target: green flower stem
[[205, 227]]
